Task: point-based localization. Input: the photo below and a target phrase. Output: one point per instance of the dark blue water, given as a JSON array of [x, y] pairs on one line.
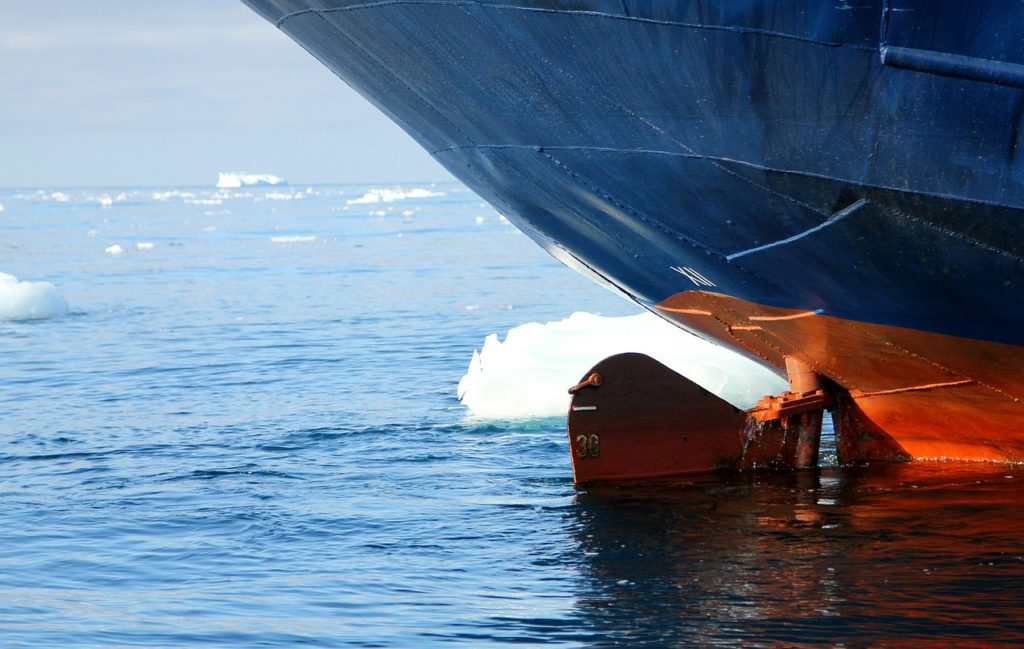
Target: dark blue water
[[236, 439]]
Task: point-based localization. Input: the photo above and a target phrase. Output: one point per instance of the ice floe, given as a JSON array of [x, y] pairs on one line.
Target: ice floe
[[293, 238], [174, 193], [114, 250], [144, 245], [29, 300], [392, 195], [284, 196], [236, 179], [528, 374]]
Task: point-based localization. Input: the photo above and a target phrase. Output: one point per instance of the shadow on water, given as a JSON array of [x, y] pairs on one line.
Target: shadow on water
[[896, 554]]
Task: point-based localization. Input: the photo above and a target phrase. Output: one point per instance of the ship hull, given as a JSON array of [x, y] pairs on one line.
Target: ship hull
[[851, 172]]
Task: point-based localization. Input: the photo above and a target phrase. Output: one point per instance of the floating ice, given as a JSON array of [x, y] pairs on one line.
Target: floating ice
[[163, 196], [114, 250], [480, 220], [236, 179], [392, 195], [29, 300], [1, 207], [528, 374], [105, 201], [283, 196], [293, 239], [144, 245]]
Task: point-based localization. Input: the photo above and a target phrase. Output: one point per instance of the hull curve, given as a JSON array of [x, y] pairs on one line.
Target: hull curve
[[857, 167]]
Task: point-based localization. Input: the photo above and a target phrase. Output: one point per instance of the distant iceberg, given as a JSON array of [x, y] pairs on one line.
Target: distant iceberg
[[237, 179], [392, 195], [29, 300]]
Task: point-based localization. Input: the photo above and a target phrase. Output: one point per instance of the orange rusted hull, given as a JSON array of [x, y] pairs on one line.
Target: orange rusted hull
[[903, 393]]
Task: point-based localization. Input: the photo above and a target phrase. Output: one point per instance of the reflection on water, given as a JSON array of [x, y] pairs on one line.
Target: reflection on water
[[920, 554]]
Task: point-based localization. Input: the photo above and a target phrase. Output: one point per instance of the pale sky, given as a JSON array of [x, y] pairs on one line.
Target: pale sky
[[169, 92]]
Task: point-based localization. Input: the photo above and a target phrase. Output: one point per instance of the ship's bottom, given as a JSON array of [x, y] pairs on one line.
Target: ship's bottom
[[910, 393], [895, 394]]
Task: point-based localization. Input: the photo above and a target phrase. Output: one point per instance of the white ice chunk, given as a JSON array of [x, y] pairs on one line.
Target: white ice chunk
[[392, 195], [236, 179], [144, 245], [163, 196], [528, 374], [114, 250], [1, 207], [283, 196], [293, 239], [29, 300]]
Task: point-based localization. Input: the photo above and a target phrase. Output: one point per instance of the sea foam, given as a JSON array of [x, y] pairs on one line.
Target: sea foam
[[528, 374], [29, 300]]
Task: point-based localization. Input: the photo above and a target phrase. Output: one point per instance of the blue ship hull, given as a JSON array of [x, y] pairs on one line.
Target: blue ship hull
[[855, 161]]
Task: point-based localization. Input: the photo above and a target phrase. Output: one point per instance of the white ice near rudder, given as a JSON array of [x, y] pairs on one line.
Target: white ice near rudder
[[392, 195], [529, 373], [237, 179], [29, 300]]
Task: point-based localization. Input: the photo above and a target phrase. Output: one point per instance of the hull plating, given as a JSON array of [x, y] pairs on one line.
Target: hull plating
[[859, 163]]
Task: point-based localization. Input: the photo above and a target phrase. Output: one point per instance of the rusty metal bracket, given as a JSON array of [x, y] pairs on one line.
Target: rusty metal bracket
[[592, 381], [789, 404]]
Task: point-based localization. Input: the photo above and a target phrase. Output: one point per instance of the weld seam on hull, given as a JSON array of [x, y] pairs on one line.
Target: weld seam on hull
[[596, 14], [743, 163], [385, 70], [857, 394], [933, 363], [956, 235]]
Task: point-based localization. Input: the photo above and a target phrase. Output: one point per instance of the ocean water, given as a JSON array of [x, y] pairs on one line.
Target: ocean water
[[244, 432]]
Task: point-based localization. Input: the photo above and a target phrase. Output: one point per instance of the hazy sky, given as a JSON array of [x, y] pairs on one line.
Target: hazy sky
[[169, 92]]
